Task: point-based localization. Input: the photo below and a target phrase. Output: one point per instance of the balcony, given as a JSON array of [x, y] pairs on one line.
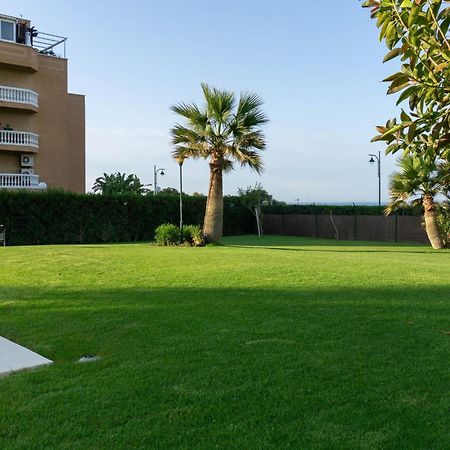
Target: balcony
[[18, 98], [19, 141], [20, 181], [19, 56]]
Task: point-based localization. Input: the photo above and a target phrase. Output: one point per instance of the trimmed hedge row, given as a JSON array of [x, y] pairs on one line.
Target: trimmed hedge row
[[58, 217], [337, 210]]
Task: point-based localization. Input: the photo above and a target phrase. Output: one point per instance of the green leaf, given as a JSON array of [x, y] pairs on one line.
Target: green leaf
[[412, 132], [405, 117], [392, 54], [378, 138], [392, 148], [415, 11], [405, 94], [398, 85]]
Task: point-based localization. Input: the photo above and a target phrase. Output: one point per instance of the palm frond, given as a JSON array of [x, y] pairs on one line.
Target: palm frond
[[417, 176], [192, 113], [227, 165], [183, 135], [254, 139], [247, 157], [444, 175], [219, 103], [249, 110], [118, 183], [185, 152], [394, 206]]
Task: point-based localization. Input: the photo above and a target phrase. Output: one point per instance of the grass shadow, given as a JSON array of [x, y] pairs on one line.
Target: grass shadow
[[200, 367]]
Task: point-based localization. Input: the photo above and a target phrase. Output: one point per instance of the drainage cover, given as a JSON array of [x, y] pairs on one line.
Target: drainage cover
[[88, 358]]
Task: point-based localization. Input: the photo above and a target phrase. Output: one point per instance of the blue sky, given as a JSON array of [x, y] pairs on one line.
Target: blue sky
[[316, 64]]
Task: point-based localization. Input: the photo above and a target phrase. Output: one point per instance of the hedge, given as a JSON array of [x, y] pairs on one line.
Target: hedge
[[59, 217]]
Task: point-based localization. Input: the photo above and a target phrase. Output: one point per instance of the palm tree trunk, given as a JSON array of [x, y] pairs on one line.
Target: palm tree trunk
[[213, 223], [431, 223]]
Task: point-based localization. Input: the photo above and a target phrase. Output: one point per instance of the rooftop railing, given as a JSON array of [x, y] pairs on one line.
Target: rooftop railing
[[49, 44]]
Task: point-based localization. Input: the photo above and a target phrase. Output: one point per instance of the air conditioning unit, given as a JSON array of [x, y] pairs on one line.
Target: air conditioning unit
[[27, 160], [27, 171]]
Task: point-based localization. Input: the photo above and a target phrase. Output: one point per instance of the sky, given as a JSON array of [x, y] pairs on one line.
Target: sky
[[316, 64]]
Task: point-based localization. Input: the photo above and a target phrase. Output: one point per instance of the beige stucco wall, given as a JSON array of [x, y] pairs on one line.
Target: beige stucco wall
[[20, 56], [76, 139], [9, 162], [59, 120]]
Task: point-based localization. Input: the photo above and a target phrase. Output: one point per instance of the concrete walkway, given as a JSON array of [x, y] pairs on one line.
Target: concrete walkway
[[14, 357]]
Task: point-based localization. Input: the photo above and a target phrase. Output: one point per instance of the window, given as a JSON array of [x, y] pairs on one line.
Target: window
[[7, 30]]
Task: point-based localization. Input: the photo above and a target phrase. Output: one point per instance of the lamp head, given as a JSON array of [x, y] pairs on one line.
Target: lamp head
[[371, 160], [162, 172]]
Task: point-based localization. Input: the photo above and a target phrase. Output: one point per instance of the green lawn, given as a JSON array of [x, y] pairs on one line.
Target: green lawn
[[258, 344]]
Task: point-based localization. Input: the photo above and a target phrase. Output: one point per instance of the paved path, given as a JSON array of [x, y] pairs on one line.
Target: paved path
[[14, 357]]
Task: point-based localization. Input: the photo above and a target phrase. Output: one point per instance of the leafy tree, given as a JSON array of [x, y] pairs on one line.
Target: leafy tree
[[416, 31], [224, 131], [169, 190], [419, 182], [254, 196], [119, 183]]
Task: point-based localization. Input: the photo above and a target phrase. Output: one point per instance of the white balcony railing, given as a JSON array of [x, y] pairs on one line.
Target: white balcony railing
[[19, 181], [19, 138], [19, 95]]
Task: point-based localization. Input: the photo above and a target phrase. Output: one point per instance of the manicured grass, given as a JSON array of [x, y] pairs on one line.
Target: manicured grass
[[259, 344]]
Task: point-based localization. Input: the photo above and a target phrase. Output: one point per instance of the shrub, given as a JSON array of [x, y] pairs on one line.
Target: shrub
[[193, 235], [167, 234], [444, 222]]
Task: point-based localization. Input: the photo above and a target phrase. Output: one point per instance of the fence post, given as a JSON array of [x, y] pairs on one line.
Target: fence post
[[354, 222], [316, 223], [2, 235], [282, 224], [396, 227]]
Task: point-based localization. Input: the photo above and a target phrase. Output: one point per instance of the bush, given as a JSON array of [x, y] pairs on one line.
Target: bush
[[444, 222], [193, 235], [167, 234]]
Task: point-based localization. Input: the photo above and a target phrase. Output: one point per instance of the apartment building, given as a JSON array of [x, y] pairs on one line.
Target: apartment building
[[42, 126]]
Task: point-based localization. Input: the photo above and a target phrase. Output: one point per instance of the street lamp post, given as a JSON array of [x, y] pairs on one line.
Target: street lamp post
[[378, 160], [155, 178], [180, 163]]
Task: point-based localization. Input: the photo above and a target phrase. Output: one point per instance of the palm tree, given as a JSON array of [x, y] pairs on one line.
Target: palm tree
[[118, 183], [419, 182], [225, 132]]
